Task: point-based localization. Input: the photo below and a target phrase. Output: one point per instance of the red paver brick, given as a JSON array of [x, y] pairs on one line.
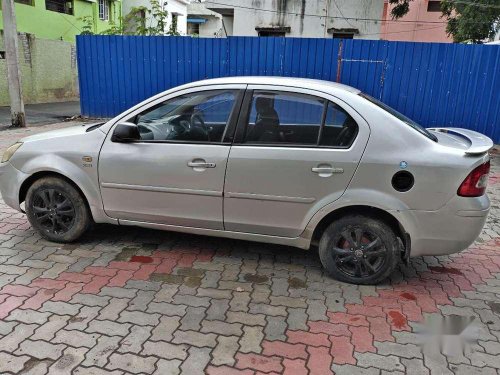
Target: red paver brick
[[19, 290], [303, 337], [365, 310], [95, 286], [166, 266], [121, 277], [75, 277], [38, 299], [397, 320], [412, 311], [380, 329], [295, 367], [101, 271], [186, 260], [124, 265], [11, 303], [342, 350], [427, 304], [382, 302], [68, 292], [144, 272], [258, 362], [320, 361], [331, 329], [283, 349], [49, 283], [349, 319], [225, 370], [362, 339]]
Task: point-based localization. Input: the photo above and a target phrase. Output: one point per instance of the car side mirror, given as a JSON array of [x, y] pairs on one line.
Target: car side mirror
[[126, 132]]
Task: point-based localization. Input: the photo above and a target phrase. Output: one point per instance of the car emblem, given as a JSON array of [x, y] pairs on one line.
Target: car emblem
[[403, 165]]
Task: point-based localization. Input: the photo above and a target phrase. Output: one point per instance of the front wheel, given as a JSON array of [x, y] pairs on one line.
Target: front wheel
[[57, 210], [359, 250]]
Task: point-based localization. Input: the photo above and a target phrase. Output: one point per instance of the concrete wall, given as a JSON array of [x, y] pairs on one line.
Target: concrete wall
[[35, 19], [306, 18], [48, 71], [419, 30]]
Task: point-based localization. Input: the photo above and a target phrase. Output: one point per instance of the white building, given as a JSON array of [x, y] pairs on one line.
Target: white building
[[177, 11], [360, 19], [204, 22]]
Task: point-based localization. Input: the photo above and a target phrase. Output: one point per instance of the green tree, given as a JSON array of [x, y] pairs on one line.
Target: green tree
[[467, 20]]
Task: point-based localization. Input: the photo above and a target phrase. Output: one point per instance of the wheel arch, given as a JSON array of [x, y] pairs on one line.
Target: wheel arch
[[23, 191], [370, 211]]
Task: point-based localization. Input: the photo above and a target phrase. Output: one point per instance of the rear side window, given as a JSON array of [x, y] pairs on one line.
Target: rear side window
[[287, 119], [277, 117]]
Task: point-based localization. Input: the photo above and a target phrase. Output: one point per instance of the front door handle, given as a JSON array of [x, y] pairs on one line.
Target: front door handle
[[200, 164], [326, 170]]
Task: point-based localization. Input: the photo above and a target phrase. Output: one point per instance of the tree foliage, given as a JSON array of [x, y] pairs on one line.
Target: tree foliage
[[467, 20]]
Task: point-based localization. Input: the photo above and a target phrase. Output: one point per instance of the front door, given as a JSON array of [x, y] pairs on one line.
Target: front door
[[175, 174], [295, 152]]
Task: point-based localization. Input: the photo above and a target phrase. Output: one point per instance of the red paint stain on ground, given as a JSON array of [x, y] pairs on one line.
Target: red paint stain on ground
[[398, 319], [141, 259], [355, 319], [408, 296], [439, 269]]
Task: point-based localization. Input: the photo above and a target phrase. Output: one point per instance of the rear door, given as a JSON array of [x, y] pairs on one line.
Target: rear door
[[295, 151]]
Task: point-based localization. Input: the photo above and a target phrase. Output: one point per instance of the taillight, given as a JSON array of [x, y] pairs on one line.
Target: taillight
[[475, 183]]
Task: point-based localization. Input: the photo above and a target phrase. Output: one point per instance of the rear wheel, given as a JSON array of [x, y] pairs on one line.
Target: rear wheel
[[57, 210], [359, 250]]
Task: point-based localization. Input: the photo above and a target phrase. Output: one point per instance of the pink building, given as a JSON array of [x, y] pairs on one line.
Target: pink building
[[423, 23]]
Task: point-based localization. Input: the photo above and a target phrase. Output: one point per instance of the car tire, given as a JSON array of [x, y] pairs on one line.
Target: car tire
[[57, 210], [359, 250]]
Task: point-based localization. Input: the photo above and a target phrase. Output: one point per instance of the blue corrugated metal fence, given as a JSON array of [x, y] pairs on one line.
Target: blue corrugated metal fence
[[434, 84]]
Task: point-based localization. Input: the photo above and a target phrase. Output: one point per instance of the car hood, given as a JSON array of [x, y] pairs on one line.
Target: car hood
[[66, 132]]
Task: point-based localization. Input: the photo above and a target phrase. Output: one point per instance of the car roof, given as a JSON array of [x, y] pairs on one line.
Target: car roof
[[315, 84]]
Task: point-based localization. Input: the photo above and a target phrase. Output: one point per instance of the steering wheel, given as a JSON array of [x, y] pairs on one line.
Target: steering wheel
[[196, 121]]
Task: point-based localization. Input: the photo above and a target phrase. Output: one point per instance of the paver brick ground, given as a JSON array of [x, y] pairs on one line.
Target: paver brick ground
[[134, 301]]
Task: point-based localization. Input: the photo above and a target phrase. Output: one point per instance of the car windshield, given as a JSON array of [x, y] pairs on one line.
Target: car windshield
[[400, 116]]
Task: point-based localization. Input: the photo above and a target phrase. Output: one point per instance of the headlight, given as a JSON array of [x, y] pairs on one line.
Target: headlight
[[10, 151]]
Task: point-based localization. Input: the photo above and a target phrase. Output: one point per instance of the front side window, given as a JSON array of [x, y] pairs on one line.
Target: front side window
[[104, 6], [195, 117], [285, 118], [60, 6], [279, 117]]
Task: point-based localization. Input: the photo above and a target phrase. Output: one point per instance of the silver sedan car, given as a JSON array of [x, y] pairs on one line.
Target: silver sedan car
[[279, 160]]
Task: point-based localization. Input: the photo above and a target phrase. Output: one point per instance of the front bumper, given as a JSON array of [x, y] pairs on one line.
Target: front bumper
[[10, 183], [448, 230]]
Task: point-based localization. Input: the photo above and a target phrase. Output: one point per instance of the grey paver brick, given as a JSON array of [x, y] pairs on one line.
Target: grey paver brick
[[61, 308], [71, 358], [168, 367], [266, 309], [192, 319], [246, 318], [12, 363], [415, 366], [225, 351], [48, 330], [81, 320], [197, 361], [90, 300], [108, 327], [166, 309], [389, 362], [194, 338], [139, 318], [10, 342], [400, 350], [288, 301], [98, 355], [221, 328], [113, 309], [218, 309], [95, 371], [354, 370], [164, 330], [240, 301], [76, 338], [131, 363], [165, 350], [275, 328], [141, 301], [118, 292], [297, 319], [133, 342], [193, 301], [6, 327], [251, 339], [40, 349]]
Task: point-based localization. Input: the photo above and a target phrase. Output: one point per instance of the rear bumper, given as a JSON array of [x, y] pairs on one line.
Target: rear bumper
[[10, 182], [448, 230]]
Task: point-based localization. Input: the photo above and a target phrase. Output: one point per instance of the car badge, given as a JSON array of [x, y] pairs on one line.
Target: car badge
[[403, 165]]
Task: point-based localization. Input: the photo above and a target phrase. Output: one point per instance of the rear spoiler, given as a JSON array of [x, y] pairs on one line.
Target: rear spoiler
[[478, 143]]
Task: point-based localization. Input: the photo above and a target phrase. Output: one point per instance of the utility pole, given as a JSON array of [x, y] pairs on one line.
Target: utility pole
[[18, 118]]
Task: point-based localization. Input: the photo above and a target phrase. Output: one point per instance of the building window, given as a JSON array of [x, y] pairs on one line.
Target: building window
[[343, 35], [277, 31], [104, 6], [434, 6], [193, 29], [272, 33], [60, 6], [25, 2]]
